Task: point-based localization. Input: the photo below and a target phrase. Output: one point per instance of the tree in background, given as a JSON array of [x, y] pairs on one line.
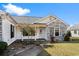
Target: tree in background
[[28, 31]]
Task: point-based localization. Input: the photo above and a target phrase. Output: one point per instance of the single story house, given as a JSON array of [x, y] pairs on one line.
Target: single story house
[[74, 30], [27, 27]]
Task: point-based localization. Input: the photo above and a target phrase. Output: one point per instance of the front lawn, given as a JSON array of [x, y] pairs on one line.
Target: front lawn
[[63, 49]]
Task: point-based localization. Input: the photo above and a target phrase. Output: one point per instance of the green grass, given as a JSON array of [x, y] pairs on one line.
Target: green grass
[[63, 49]]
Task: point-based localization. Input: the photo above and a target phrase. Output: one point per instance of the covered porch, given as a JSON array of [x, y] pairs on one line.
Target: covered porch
[[31, 31]]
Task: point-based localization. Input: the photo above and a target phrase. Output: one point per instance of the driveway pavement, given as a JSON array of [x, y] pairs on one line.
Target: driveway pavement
[[30, 52]]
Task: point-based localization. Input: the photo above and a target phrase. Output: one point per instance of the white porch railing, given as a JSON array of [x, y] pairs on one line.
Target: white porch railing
[[28, 37], [31, 37]]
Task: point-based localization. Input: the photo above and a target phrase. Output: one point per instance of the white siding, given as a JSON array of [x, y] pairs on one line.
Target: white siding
[[0, 29], [74, 35], [18, 33], [43, 34], [6, 32]]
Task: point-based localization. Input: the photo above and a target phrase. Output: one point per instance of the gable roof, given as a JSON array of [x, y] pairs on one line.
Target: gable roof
[[50, 19], [37, 20]]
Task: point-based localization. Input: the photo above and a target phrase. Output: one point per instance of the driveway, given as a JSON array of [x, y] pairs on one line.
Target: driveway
[[30, 52], [18, 48]]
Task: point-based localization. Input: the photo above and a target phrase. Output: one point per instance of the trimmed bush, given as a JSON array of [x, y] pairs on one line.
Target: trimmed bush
[[67, 36], [3, 47]]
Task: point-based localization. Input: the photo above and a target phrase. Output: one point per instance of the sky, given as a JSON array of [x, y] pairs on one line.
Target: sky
[[69, 12]]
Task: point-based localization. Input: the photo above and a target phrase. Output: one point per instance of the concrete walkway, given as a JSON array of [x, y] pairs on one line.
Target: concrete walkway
[[30, 52]]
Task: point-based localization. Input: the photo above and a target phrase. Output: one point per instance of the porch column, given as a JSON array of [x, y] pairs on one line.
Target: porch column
[[54, 31], [21, 34], [35, 32], [59, 29]]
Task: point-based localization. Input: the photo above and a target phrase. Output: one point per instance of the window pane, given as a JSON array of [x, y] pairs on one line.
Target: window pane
[[57, 32], [12, 31]]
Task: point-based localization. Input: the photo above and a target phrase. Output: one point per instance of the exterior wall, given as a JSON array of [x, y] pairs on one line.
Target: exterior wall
[[18, 33], [74, 35], [6, 31], [0, 29]]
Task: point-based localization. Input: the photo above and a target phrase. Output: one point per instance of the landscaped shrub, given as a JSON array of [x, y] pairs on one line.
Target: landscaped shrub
[[67, 36], [3, 47]]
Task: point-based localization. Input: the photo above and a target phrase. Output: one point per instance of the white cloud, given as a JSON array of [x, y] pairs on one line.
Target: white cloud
[[13, 9]]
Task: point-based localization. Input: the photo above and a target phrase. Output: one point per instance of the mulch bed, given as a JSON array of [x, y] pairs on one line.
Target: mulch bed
[[17, 44]]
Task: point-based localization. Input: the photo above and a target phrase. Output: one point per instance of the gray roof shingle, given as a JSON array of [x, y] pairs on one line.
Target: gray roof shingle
[[26, 19], [32, 20]]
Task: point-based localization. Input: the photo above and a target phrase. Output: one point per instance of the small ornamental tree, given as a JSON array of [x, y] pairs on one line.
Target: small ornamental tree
[[67, 36]]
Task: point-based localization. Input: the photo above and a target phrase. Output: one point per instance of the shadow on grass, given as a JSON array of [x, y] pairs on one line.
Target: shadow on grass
[[43, 53], [46, 46]]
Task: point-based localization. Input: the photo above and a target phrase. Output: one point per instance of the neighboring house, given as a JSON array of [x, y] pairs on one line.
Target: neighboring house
[[28, 27], [74, 30]]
